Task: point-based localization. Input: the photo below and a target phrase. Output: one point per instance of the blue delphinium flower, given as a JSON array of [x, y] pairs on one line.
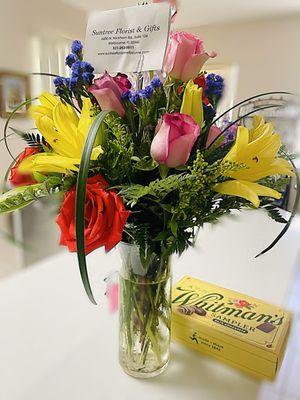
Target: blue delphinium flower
[[125, 95], [147, 92], [58, 81], [215, 86], [134, 97], [156, 82], [71, 59], [76, 47]]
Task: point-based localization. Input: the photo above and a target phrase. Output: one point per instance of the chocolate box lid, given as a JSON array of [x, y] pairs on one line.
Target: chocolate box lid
[[259, 326]]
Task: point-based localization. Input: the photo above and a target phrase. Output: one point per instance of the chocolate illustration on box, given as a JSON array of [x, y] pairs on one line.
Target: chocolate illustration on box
[[242, 331]]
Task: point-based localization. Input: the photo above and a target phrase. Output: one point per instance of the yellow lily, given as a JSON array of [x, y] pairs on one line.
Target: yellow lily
[[64, 131], [257, 149], [192, 102]]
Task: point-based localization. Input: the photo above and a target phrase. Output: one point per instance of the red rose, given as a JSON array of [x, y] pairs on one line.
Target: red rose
[[16, 178], [105, 217]]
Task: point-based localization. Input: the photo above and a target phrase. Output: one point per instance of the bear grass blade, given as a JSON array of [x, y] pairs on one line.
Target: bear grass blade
[[80, 201]]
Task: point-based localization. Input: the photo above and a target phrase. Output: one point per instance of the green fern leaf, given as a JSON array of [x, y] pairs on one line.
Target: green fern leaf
[[274, 213]]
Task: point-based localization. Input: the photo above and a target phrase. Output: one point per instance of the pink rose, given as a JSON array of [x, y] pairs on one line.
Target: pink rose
[[123, 82], [174, 140], [214, 132], [185, 56], [108, 94]]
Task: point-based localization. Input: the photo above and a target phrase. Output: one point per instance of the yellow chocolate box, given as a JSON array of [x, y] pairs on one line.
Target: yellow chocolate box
[[246, 333]]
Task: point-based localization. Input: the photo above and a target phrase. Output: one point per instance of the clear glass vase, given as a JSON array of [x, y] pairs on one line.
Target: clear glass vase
[[145, 313]]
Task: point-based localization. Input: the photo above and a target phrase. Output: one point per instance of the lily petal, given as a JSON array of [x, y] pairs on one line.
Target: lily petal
[[247, 190]]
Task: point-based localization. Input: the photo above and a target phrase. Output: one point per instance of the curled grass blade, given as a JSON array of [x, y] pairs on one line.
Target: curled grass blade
[[80, 201]]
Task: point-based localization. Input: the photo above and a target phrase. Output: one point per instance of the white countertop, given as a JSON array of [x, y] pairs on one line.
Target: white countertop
[[55, 345]]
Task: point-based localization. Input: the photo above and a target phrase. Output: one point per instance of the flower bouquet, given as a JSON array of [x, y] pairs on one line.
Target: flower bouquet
[[142, 162]]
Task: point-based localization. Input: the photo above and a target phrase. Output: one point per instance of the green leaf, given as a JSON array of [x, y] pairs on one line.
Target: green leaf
[[274, 213], [39, 177], [32, 139], [163, 171], [80, 200], [145, 164], [161, 236], [135, 158], [133, 193], [181, 168], [22, 196], [159, 188], [174, 227]]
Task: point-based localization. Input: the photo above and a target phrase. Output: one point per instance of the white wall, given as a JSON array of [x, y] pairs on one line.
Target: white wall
[[20, 21], [267, 53]]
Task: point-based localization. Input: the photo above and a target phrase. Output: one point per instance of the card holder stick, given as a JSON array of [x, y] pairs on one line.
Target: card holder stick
[[139, 73]]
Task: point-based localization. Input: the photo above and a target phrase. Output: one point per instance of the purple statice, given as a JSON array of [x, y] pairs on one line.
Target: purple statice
[[209, 112], [71, 59], [76, 47], [80, 67], [87, 67], [73, 82], [58, 81], [76, 68], [215, 86], [147, 92], [134, 97], [88, 77], [231, 133], [67, 81], [59, 91], [156, 82], [82, 70]]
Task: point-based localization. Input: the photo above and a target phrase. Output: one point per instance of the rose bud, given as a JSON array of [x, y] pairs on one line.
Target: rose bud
[[108, 94], [18, 178], [185, 56], [174, 140], [213, 134]]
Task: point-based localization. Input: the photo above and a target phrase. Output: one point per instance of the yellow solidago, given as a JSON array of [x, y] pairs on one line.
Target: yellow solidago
[[257, 149], [192, 102], [64, 131]]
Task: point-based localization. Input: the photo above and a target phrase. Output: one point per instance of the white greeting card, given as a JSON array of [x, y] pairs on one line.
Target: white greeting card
[[128, 39]]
